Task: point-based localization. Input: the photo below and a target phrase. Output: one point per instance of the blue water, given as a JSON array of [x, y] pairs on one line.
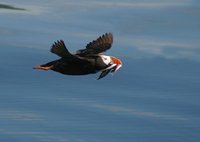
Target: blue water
[[154, 97]]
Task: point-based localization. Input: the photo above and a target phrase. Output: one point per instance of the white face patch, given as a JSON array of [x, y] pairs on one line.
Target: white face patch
[[106, 59]]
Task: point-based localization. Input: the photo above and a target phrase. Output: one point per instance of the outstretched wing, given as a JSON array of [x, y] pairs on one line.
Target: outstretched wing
[[60, 49], [97, 46]]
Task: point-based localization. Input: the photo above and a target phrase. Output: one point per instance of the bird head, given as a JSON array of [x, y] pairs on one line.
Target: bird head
[[113, 63], [117, 64]]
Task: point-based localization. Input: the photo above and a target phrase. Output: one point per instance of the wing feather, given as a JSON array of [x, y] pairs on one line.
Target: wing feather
[[60, 49], [98, 46]]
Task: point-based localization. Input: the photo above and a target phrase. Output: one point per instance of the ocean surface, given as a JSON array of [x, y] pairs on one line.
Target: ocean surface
[[154, 97]]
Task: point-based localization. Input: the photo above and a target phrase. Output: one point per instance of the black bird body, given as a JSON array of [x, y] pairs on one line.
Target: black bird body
[[86, 61], [83, 66]]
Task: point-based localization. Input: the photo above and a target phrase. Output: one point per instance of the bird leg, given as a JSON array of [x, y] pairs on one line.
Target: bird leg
[[42, 67]]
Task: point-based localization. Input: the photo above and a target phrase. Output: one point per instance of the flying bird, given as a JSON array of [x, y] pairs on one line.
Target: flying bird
[[89, 60]]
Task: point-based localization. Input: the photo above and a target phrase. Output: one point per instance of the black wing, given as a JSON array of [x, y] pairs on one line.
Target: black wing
[[97, 46], [104, 73], [60, 49]]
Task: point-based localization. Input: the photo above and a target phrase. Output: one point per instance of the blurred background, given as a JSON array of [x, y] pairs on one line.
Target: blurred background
[[153, 97]]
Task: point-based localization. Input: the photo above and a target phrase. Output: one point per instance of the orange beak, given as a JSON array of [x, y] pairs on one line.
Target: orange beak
[[116, 62]]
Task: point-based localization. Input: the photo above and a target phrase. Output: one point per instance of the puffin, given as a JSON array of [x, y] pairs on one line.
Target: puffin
[[89, 60]]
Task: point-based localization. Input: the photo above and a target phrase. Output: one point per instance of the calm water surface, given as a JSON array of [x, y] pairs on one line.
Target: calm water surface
[[154, 97]]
